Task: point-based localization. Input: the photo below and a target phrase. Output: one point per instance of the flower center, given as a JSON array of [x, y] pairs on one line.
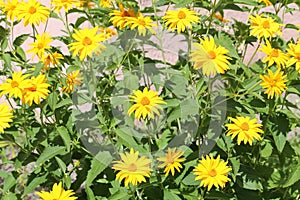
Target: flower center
[[145, 101], [273, 83], [142, 22], [170, 159], [266, 24], [32, 89], [245, 126], [132, 167], [274, 53], [14, 84], [212, 55], [32, 10], [40, 45], [86, 41], [297, 56], [212, 173], [125, 14], [181, 15]]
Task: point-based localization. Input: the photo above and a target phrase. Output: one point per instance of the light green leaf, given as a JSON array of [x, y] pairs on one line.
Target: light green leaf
[[64, 134], [50, 152], [294, 176], [99, 163], [34, 184], [280, 140], [169, 194], [61, 164]]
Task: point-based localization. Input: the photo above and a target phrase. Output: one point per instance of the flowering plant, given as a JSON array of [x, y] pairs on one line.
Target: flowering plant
[[163, 99]]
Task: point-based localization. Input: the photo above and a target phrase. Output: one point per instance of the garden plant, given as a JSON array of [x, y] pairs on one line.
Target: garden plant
[[104, 109]]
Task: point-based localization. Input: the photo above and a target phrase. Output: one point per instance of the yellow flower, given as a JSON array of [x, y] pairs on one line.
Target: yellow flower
[[220, 17], [32, 12], [245, 129], [51, 59], [37, 90], [212, 172], [9, 8], [87, 4], [146, 103], [87, 41], [132, 168], [180, 19], [119, 18], [210, 57], [108, 32], [15, 86], [73, 79], [267, 2], [273, 55], [274, 83], [107, 3], [171, 161], [40, 45], [57, 193], [141, 23], [5, 116], [294, 52], [66, 4], [264, 27]]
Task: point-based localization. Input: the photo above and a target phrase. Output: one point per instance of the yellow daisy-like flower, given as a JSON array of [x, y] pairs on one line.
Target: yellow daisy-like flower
[[210, 57], [37, 91], [120, 17], [220, 17], [51, 59], [294, 52], [5, 116], [273, 55], [245, 129], [73, 79], [9, 8], [146, 103], [32, 12], [15, 86], [132, 168], [264, 27], [141, 23], [180, 19], [87, 41], [267, 2], [171, 161], [40, 45], [107, 3], [65, 4], [274, 83], [87, 4], [212, 172], [57, 193], [108, 32]]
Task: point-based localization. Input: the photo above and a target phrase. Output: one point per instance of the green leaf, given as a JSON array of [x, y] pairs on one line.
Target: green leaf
[[20, 40], [169, 194], [50, 152], [34, 184], [236, 166], [90, 193], [7, 61], [280, 141], [99, 163], [8, 183], [247, 2], [61, 164], [266, 151], [127, 139], [294, 176], [64, 134], [226, 42], [190, 180]]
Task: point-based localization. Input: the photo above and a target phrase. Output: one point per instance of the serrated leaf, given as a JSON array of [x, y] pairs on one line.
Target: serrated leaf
[[50, 152], [61, 164], [280, 141], [64, 134], [34, 184], [99, 163], [20, 40], [90, 193], [168, 194], [294, 176]]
